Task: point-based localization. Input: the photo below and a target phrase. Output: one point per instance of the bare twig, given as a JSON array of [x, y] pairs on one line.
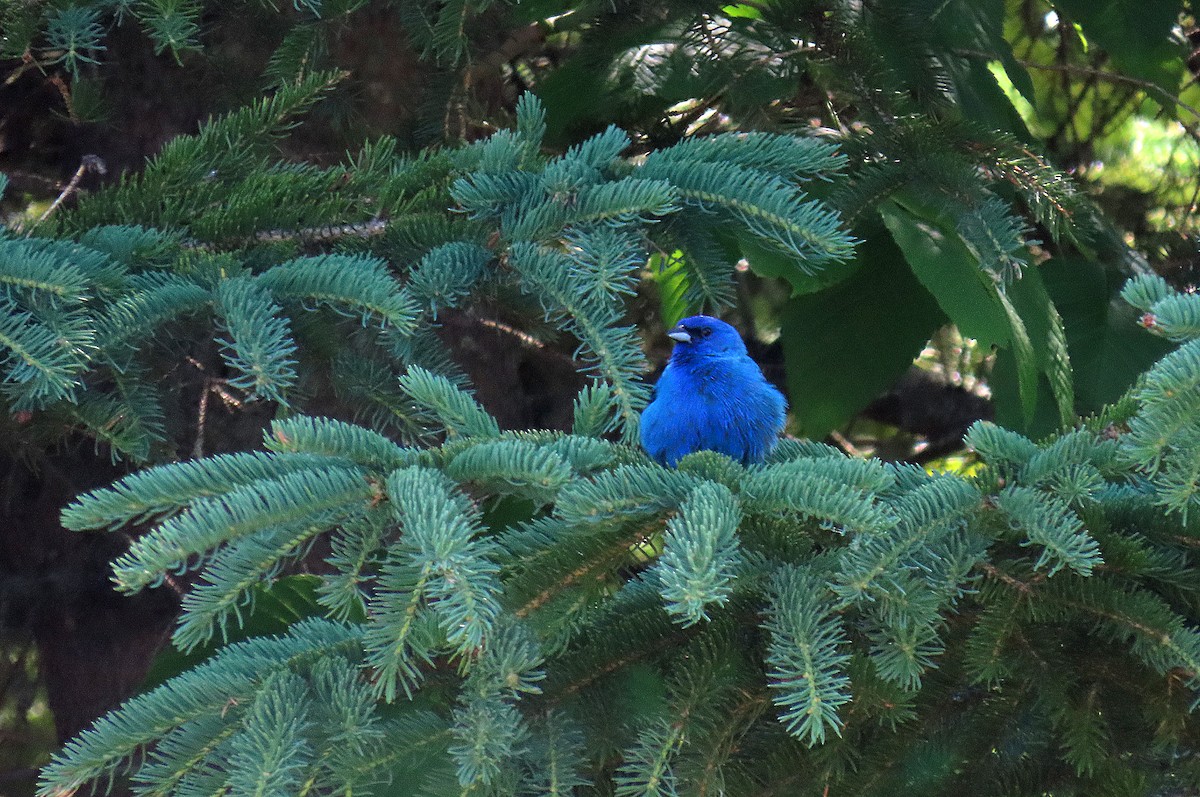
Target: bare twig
[[1094, 74], [201, 421], [844, 444], [524, 337], [1115, 77], [326, 233], [308, 235], [27, 62], [89, 163]]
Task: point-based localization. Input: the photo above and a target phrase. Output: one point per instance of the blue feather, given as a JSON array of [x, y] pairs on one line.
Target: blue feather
[[712, 397]]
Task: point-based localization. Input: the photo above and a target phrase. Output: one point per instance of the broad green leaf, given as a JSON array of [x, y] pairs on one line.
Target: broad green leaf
[[989, 34], [768, 262], [670, 274], [1108, 349], [948, 271], [1018, 75], [1019, 317], [1006, 399], [1044, 323], [1022, 347], [742, 10], [845, 346], [981, 98]]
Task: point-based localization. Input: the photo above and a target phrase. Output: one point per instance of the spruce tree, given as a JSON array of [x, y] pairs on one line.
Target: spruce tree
[[503, 611], [531, 611]]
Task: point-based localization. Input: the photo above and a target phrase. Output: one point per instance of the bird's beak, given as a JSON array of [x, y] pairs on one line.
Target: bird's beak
[[679, 335]]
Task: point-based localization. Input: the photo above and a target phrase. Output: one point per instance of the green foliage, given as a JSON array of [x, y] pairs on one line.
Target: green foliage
[[900, 589], [195, 238], [701, 556], [260, 345], [1164, 435], [538, 612], [75, 32], [806, 657], [934, 136], [937, 145]]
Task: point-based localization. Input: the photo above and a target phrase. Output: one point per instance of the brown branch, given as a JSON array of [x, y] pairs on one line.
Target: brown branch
[[88, 163], [328, 233], [606, 558], [1094, 74], [737, 724], [1115, 77], [1024, 588]]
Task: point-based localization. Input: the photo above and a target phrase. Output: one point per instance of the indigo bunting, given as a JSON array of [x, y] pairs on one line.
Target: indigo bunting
[[713, 397]]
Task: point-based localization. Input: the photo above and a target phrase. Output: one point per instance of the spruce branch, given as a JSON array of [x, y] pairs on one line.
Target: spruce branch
[[458, 412], [1050, 523], [185, 168], [230, 678], [355, 286], [566, 294], [320, 496], [701, 554], [806, 655], [260, 345], [269, 754]]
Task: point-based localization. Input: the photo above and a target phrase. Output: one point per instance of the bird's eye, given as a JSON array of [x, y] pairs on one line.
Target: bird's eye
[[705, 332]]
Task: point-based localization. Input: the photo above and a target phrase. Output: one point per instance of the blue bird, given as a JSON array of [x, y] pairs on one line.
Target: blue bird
[[713, 397]]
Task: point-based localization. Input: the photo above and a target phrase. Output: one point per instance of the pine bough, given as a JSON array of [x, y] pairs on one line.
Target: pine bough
[[551, 613], [798, 604]]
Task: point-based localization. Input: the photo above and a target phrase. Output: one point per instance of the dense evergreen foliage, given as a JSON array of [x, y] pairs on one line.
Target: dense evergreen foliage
[[498, 611], [547, 610]]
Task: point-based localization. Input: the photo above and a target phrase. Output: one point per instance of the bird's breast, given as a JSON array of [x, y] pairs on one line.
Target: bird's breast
[[719, 382]]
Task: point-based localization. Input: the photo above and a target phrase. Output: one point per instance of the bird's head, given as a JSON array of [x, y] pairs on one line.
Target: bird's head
[[703, 335]]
